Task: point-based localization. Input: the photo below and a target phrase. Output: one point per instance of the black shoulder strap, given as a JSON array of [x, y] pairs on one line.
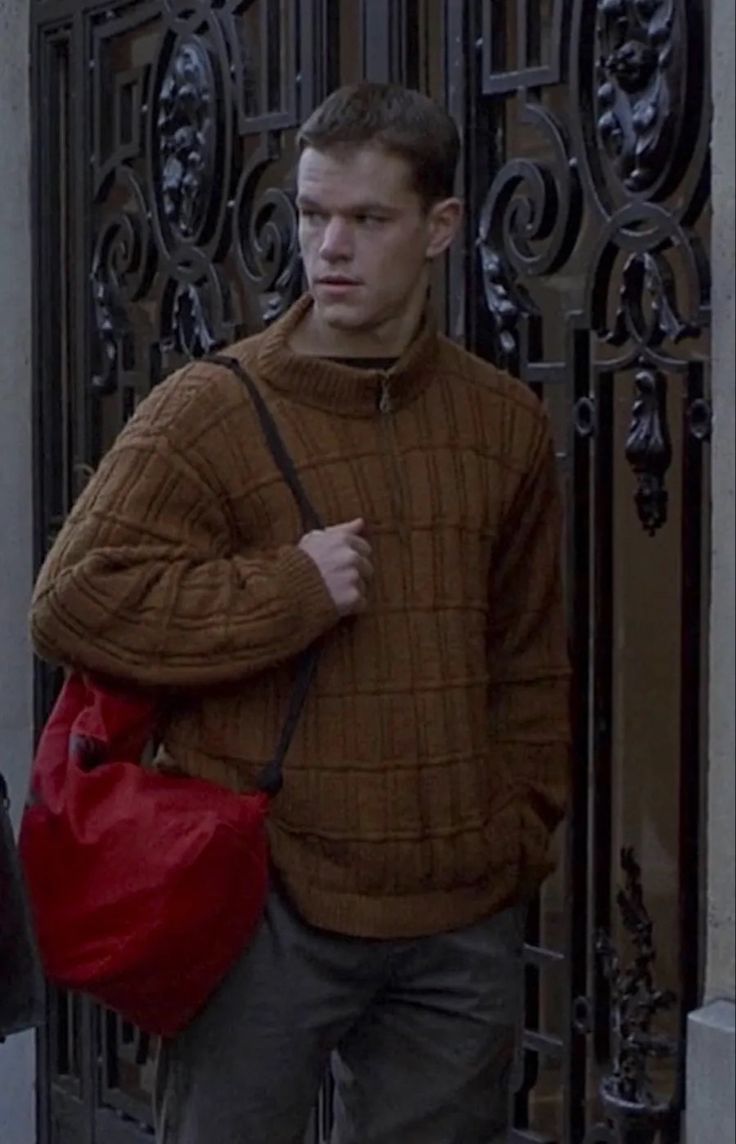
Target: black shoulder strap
[[279, 452], [271, 777]]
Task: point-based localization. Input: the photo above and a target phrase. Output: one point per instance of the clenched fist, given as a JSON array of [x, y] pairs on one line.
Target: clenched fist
[[343, 557]]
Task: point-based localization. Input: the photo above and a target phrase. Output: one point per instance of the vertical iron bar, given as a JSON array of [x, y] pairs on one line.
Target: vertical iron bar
[[579, 596], [461, 258], [319, 42], [332, 45], [522, 17], [275, 32], [86, 441], [85, 429], [263, 100], [310, 32], [407, 68], [603, 616], [51, 161], [377, 40], [692, 700]]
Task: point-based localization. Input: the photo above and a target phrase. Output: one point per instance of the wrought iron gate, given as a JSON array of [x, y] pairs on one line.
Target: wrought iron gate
[[164, 227]]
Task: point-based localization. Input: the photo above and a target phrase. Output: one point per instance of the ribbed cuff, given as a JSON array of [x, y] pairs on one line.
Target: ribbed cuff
[[300, 581]]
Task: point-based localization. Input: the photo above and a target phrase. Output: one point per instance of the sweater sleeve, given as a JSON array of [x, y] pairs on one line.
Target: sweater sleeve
[[529, 717], [143, 585]]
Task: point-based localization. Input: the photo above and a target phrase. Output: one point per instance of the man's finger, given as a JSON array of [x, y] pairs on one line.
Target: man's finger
[[365, 568], [359, 545]]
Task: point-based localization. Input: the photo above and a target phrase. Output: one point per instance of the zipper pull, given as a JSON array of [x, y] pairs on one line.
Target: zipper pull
[[385, 404]]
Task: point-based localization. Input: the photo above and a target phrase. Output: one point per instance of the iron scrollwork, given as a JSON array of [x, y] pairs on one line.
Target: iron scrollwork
[[638, 87], [111, 325], [627, 1093], [266, 238], [196, 307], [527, 227], [123, 267], [503, 307], [648, 277], [610, 119], [198, 197], [649, 449], [186, 140], [191, 325], [655, 333]]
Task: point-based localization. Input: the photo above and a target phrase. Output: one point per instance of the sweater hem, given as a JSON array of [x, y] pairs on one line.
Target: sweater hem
[[412, 915]]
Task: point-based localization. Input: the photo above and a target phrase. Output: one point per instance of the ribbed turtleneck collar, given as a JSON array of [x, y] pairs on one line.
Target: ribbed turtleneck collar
[[341, 388]]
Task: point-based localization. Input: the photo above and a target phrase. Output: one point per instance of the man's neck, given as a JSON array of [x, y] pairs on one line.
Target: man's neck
[[314, 338]]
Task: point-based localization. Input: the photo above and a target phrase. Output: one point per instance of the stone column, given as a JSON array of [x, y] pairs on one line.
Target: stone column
[[17, 1055], [711, 1036]]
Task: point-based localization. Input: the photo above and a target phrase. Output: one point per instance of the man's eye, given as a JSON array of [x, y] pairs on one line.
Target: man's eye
[[310, 216], [369, 219]]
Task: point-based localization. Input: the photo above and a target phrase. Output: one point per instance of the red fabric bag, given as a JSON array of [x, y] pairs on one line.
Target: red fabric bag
[[146, 886]]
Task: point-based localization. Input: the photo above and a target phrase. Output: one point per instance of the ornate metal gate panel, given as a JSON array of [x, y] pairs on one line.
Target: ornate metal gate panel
[[164, 226], [586, 167]]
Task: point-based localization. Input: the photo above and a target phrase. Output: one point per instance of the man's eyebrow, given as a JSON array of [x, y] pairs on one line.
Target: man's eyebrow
[[372, 208], [356, 208]]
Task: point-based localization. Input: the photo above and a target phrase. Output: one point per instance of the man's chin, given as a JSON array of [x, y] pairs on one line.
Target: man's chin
[[339, 316]]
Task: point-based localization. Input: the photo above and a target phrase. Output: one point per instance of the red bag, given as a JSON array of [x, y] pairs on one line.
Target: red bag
[[145, 886]]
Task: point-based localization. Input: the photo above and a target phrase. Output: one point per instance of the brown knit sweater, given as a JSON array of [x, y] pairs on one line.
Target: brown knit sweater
[[430, 764]]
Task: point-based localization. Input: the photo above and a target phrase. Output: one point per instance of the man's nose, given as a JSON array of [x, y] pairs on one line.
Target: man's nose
[[336, 241]]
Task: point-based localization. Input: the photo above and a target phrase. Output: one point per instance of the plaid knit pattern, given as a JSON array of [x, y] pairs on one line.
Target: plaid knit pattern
[[430, 765]]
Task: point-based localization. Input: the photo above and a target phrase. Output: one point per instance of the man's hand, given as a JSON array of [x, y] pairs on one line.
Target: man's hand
[[343, 557]]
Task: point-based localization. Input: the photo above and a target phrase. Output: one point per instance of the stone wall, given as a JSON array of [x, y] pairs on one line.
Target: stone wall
[[712, 1036], [17, 1055], [720, 977]]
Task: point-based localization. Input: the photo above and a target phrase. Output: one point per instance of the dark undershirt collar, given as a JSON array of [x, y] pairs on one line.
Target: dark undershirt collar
[[354, 386]]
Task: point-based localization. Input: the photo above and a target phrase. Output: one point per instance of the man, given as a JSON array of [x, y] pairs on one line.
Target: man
[[429, 768]]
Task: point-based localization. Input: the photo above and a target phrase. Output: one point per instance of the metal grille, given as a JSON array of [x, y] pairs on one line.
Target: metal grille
[[164, 227]]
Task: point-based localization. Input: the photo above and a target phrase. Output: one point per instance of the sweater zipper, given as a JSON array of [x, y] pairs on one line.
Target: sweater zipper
[[396, 479], [398, 504]]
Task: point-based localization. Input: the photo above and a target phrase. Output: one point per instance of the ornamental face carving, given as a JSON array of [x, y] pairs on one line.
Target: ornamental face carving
[[638, 87], [186, 140]]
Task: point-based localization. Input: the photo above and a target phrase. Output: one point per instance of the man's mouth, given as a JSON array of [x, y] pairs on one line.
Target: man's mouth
[[337, 280]]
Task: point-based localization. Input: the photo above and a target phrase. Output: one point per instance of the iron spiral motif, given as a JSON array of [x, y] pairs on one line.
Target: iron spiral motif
[[122, 271], [527, 227], [266, 237]]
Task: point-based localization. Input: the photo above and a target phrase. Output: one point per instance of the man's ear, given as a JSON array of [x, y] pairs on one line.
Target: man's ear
[[443, 224]]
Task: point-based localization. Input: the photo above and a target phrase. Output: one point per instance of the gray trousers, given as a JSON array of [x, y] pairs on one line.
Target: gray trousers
[[420, 1035]]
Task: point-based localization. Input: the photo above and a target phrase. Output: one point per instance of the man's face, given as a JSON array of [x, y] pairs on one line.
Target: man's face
[[365, 236]]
